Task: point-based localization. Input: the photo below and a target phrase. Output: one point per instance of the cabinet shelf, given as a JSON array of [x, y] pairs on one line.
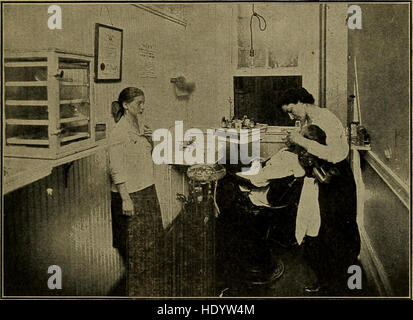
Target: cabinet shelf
[[20, 141], [25, 122], [72, 65], [26, 102], [19, 172], [73, 101], [73, 119], [73, 83], [26, 64], [75, 137], [26, 84]]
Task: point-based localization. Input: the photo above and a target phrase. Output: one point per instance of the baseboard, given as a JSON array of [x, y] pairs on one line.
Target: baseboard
[[399, 188], [373, 267]]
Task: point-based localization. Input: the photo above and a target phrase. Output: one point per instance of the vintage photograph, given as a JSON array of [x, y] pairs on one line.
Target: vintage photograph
[[206, 149]]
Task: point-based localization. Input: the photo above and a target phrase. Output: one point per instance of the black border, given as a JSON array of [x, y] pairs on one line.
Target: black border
[[97, 28]]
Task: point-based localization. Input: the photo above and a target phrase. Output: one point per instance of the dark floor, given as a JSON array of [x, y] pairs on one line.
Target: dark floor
[[190, 258], [291, 283], [296, 275], [244, 235]]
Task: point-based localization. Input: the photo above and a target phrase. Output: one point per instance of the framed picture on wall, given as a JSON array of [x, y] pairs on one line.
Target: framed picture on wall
[[108, 53]]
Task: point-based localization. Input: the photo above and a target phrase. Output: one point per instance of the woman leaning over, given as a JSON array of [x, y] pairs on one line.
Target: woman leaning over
[[332, 243]]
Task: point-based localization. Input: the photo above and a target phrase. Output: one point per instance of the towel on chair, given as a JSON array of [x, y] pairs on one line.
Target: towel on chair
[[258, 197], [308, 214], [283, 164]]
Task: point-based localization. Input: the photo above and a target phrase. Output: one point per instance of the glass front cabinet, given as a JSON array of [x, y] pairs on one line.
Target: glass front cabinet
[[48, 110]]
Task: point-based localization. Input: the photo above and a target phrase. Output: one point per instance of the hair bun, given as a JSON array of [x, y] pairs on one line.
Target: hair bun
[[305, 96], [117, 111]]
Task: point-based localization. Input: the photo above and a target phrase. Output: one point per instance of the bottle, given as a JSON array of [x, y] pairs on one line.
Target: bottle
[[363, 136], [354, 132], [246, 122], [367, 139], [233, 121], [223, 122]]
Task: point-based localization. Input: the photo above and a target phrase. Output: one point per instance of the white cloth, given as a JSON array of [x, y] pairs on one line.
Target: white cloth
[[258, 197], [308, 214], [283, 164]]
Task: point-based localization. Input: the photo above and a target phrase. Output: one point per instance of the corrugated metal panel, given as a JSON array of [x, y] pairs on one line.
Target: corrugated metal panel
[[70, 227]]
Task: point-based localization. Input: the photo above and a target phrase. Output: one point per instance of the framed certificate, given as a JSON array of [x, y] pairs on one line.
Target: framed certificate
[[108, 53]]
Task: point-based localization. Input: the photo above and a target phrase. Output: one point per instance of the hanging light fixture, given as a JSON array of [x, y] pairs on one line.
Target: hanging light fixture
[[261, 20]]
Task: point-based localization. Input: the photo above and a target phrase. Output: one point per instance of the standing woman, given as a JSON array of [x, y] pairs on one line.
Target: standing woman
[[136, 215], [336, 245]]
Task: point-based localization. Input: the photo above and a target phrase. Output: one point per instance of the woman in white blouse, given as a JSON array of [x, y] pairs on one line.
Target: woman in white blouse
[[136, 215], [332, 243]]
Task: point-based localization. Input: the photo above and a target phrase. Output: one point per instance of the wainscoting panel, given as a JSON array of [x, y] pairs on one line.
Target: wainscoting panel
[[64, 220]]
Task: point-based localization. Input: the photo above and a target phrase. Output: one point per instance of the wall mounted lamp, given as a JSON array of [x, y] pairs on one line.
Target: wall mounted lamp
[[182, 87]]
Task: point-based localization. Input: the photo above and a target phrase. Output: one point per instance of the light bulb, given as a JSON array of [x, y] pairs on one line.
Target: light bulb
[[252, 55], [251, 61]]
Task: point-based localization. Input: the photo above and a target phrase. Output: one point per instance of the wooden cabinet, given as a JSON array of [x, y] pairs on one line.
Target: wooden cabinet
[[48, 108]]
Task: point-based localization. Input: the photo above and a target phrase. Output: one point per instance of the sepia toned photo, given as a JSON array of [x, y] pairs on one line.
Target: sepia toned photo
[[206, 150]]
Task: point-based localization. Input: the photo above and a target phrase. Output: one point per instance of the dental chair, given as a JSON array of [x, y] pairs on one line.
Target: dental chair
[[259, 227]]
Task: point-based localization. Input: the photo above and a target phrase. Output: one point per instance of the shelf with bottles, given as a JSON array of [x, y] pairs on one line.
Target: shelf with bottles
[[359, 137], [48, 111]]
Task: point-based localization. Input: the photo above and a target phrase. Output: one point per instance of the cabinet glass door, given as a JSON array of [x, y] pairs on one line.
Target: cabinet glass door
[[74, 95], [26, 112]]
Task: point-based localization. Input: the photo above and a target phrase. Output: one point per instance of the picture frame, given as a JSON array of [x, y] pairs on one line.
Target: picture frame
[[108, 53]]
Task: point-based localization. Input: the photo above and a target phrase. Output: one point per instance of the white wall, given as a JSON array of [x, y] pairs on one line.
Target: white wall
[[337, 59]]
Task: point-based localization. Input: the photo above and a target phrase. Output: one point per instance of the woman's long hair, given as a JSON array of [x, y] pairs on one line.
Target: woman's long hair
[[127, 95]]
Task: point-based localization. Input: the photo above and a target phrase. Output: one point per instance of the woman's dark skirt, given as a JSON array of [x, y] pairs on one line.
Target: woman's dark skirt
[[337, 245], [139, 241]]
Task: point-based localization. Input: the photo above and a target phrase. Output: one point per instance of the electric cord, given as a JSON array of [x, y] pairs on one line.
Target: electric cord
[[261, 20]]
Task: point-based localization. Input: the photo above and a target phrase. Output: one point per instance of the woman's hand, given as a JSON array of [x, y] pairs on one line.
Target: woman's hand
[[127, 207], [147, 132]]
